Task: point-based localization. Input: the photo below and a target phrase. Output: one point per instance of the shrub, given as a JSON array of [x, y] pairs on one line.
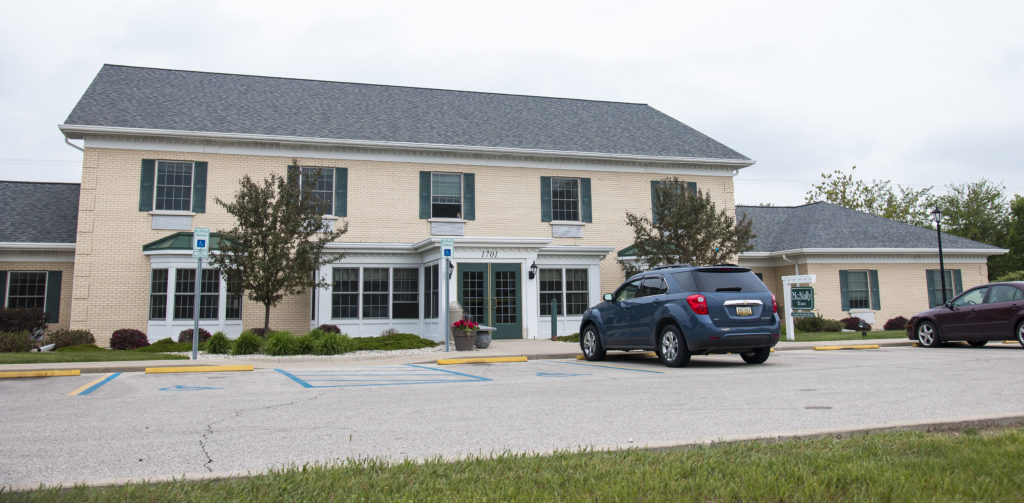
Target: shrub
[[15, 342], [247, 343], [326, 327], [186, 335], [80, 348], [258, 332], [333, 344], [897, 323], [167, 345], [1012, 276], [128, 338], [219, 344], [817, 324], [307, 344], [280, 344], [393, 341], [64, 338], [390, 331], [854, 323], [32, 321]]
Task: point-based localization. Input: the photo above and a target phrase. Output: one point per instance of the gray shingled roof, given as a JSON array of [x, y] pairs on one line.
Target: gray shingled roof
[[824, 225], [175, 100], [36, 212]]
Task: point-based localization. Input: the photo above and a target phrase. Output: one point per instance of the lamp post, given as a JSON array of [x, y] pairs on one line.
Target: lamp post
[[937, 216]]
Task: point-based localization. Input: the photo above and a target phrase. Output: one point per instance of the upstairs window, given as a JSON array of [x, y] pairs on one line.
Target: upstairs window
[[565, 199], [446, 195], [173, 186], [321, 187]]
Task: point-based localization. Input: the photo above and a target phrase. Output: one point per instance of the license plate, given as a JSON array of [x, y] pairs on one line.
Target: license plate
[[744, 311]]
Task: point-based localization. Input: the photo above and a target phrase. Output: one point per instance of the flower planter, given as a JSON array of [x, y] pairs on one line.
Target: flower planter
[[463, 340]]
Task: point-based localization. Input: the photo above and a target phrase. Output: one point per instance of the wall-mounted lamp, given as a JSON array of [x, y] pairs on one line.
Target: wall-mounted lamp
[[533, 270]]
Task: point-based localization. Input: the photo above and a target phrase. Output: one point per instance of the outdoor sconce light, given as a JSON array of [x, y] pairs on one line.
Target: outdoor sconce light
[[533, 270]]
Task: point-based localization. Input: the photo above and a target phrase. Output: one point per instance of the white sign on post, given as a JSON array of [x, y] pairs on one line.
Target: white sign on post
[[787, 283], [447, 249], [200, 243]]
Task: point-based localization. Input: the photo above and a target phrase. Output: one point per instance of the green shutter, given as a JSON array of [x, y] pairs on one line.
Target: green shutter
[[146, 185], [585, 200], [958, 282], [424, 194], [844, 290], [3, 289], [199, 188], [692, 187], [341, 192], [469, 196], [654, 201], [545, 199], [930, 277], [876, 299], [52, 306]]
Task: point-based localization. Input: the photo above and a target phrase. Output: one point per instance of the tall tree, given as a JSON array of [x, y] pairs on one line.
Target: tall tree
[[687, 228], [277, 243], [980, 211], [902, 204]]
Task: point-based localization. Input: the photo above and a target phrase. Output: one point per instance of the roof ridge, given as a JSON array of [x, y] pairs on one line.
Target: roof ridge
[[376, 85]]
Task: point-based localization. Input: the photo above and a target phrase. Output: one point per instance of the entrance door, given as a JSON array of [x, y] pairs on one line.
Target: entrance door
[[491, 294]]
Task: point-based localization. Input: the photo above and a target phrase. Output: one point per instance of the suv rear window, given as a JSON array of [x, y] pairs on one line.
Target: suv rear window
[[723, 280]]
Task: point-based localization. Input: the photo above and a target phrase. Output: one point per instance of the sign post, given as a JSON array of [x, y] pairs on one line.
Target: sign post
[[791, 302], [200, 250], [447, 248]]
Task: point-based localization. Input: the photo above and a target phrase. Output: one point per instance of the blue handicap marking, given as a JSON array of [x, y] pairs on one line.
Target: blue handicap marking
[[448, 252], [186, 388], [559, 374], [201, 243]]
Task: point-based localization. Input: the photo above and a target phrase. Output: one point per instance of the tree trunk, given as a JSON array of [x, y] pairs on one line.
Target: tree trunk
[[266, 319]]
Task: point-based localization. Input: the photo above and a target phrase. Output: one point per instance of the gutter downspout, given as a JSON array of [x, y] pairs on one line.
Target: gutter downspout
[[76, 147], [797, 266]]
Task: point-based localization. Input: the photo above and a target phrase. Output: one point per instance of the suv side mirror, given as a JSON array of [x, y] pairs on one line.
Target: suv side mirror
[[607, 297]]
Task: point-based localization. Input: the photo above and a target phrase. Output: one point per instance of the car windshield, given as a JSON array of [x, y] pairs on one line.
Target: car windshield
[[726, 280]]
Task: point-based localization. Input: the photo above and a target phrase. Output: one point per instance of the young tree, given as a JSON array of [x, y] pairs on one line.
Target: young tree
[[902, 204], [277, 243], [979, 211], [687, 228]]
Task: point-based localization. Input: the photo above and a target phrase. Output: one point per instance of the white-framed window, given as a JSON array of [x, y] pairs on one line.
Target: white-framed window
[[446, 195], [212, 294], [859, 289], [26, 290], [569, 286], [173, 186], [378, 293], [565, 199], [321, 187], [158, 294], [431, 291]]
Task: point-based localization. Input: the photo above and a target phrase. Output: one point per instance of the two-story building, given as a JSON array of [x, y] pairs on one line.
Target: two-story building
[[533, 190]]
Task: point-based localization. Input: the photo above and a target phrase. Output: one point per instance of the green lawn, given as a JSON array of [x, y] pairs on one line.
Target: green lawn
[[903, 466], [843, 336], [85, 356]]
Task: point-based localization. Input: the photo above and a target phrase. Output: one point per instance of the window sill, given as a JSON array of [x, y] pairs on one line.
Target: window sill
[[447, 220], [568, 222], [173, 213]]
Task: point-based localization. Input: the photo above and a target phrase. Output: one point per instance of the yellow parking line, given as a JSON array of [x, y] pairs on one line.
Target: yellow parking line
[[91, 383], [39, 373], [1009, 342], [209, 368], [496, 359], [854, 346]]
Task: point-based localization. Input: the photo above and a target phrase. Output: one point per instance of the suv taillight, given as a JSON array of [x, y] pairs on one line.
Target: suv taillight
[[698, 303], [775, 305]]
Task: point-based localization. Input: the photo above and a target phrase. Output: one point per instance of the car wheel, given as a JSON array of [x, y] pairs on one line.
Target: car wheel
[[928, 335], [759, 355], [1020, 333], [672, 347], [977, 344], [590, 343]]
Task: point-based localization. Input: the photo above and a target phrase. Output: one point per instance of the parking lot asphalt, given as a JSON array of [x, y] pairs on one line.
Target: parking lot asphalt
[[114, 427], [533, 349]]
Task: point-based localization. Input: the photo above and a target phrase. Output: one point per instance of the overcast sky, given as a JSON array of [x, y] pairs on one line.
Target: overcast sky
[[923, 93]]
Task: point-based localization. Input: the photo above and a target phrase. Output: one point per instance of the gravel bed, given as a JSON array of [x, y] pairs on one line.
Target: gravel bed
[[355, 355]]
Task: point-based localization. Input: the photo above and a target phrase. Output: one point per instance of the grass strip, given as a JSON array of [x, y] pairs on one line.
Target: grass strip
[[85, 356], [845, 336], [901, 466]]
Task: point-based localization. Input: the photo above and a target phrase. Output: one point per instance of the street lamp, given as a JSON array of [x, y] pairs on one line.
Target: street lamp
[[937, 216]]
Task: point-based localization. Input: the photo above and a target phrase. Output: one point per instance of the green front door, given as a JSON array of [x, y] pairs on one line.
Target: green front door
[[491, 294]]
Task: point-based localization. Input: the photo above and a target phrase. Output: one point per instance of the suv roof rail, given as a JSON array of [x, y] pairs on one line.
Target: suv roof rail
[[670, 266]]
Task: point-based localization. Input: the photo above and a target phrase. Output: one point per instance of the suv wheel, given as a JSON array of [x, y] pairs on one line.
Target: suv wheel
[[590, 343], [672, 347], [927, 335], [759, 355]]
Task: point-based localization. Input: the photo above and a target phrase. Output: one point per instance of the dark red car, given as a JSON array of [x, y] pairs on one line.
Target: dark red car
[[991, 312]]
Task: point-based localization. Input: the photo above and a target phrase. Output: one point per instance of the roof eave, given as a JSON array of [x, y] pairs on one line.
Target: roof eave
[[78, 132], [11, 245], [891, 251]]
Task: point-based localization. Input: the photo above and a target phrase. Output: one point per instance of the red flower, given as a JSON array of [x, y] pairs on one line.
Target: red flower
[[466, 325]]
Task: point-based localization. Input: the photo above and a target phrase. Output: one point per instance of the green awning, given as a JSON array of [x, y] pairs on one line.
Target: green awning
[[179, 241]]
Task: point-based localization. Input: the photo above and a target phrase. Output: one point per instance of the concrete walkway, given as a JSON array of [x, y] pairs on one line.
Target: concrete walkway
[[533, 349]]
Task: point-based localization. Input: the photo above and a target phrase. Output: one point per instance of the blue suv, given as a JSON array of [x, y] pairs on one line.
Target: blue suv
[[680, 310]]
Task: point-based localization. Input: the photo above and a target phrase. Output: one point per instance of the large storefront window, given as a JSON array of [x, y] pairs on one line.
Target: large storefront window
[[567, 286], [382, 293]]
